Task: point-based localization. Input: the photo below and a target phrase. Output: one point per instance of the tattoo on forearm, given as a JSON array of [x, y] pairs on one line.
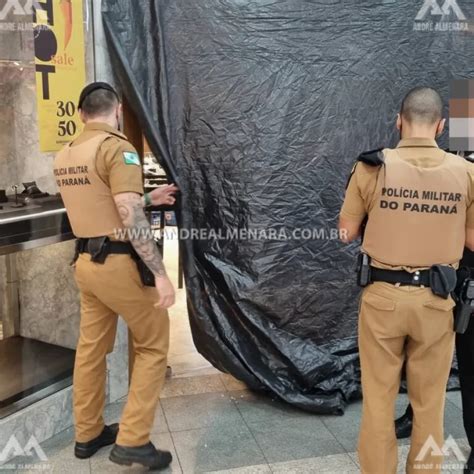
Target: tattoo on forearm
[[130, 208]]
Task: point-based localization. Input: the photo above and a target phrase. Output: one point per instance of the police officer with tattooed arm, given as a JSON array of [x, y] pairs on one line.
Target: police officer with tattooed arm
[[414, 206], [99, 176]]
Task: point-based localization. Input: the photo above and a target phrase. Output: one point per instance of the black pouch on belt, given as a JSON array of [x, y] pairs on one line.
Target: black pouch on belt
[[363, 270], [464, 305], [442, 280], [77, 252], [147, 277], [99, 249]]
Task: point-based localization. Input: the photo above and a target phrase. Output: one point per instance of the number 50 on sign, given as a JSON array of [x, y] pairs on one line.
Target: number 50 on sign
[[60, 69]]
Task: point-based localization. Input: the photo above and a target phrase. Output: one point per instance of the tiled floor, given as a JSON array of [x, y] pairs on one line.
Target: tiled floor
[[212, 423], [183, 356]]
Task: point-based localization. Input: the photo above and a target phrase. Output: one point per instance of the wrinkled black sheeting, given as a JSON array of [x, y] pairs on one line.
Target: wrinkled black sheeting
[[258, 110]]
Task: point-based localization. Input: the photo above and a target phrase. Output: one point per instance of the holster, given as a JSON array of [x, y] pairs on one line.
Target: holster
[[442, 280], [464, 297], [146, 275], [76, 253], [364, 272], [99, 249]]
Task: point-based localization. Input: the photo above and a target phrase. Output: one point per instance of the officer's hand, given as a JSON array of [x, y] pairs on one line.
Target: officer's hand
[[166, 294], [164, 195]]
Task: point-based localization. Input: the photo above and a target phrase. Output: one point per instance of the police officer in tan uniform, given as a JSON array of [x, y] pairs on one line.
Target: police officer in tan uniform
[[465, 358], [415, 203], [99, 176]]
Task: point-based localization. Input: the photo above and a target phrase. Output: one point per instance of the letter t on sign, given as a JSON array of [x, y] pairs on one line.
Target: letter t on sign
[[46, 6], [45, 69]]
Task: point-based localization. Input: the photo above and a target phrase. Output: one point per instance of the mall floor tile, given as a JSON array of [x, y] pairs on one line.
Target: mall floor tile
[[453, 425], [217, 447], [340, 463], [455, 398], [212, 424], [200, 411], [295, 438], [193, 386], [231, 383], [259, 408], [259, 469]]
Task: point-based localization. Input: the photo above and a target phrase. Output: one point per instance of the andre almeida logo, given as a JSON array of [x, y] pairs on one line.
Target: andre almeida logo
[[441, 15], [449, 450]]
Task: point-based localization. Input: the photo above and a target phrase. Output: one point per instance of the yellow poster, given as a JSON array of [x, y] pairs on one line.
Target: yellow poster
[[60, 70]]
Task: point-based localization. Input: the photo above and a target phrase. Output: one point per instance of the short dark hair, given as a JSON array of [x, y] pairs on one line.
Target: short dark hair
[[99, 102], [422, 105]]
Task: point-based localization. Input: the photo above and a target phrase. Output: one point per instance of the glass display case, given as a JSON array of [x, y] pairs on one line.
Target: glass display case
[[39, 307]]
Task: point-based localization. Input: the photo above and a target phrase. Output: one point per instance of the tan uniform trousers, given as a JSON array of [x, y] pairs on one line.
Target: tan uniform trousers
[[106, 291], [398, 324]]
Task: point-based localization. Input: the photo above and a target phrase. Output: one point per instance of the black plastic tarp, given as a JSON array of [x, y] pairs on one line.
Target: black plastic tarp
[[257, 109]]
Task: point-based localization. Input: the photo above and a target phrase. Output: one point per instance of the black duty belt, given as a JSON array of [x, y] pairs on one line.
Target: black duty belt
[[112, 247], [418, 278], [99, 248]]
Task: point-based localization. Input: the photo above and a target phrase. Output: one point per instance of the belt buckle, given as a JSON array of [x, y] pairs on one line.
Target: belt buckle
[[416, 280]]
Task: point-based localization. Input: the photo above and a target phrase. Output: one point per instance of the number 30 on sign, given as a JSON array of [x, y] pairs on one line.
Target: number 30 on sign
[[60, 70]]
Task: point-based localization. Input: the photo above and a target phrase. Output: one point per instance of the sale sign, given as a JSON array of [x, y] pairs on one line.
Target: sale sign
[[60, 69]]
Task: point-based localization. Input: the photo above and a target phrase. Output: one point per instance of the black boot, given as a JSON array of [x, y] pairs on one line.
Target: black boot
[[146, 455], [404, 424], [469, 469], [106, 438]]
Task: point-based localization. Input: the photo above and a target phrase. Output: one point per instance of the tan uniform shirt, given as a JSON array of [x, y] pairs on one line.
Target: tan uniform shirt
[[362, 186], [99, 164], [110, 164]]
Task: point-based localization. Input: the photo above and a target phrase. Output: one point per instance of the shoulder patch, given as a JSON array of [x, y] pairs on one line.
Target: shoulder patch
[[372, 158], [131, 158]]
